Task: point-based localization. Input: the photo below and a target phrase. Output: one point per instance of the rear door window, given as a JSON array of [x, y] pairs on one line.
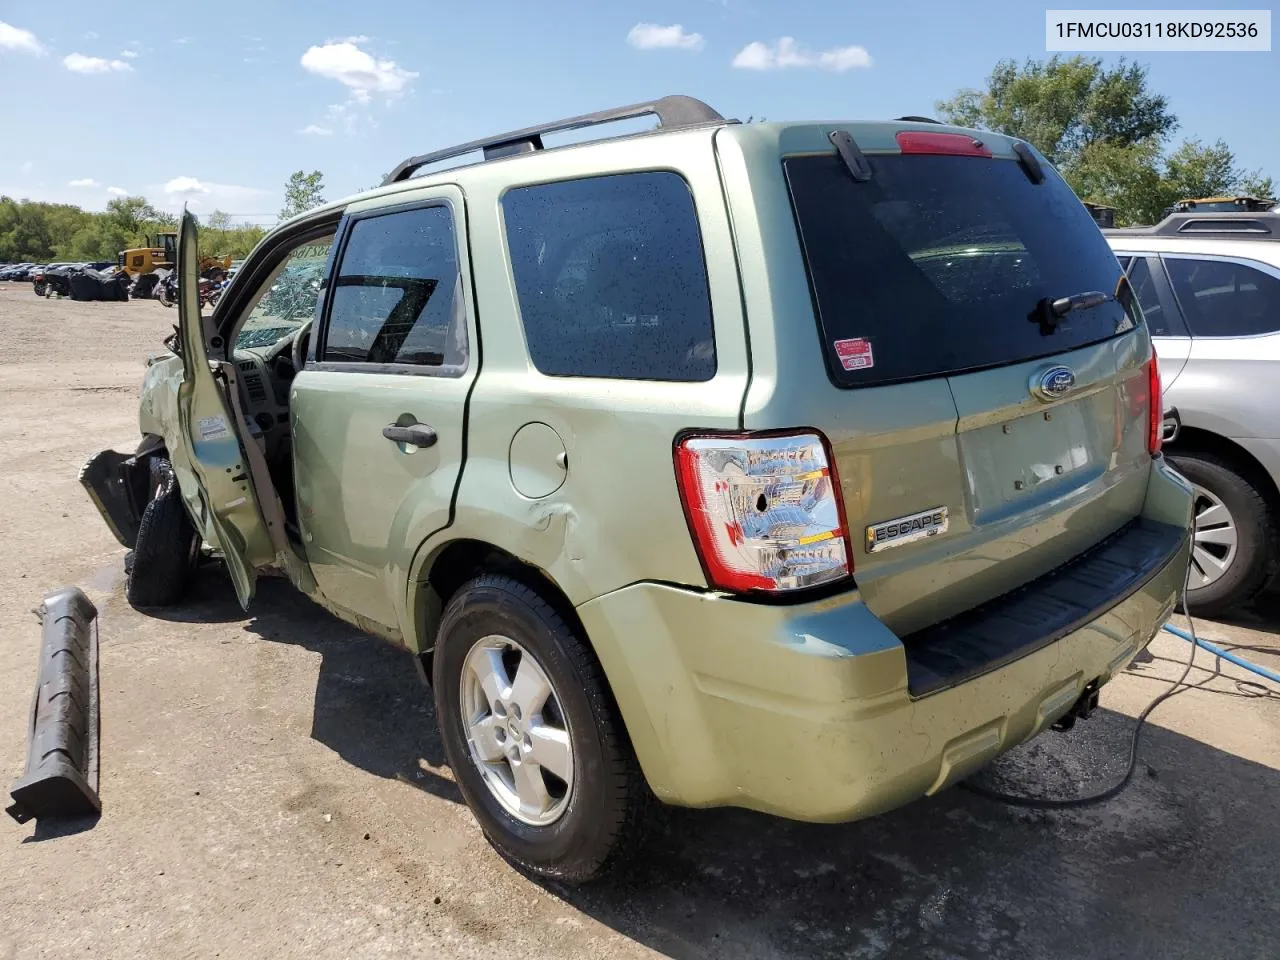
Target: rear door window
[[936, 265], [1225, 298]]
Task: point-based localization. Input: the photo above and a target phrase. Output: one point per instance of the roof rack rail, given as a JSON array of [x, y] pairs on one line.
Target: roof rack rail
[[672, 112], [1219, 226]]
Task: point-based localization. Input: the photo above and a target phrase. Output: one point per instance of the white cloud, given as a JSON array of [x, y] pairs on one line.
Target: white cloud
[[652, 36], [27, 166], [185, 186], [79, 63], [208, 195], [91, 35], [15, 38], [182, 40], [117, 191], [314, 129], [86, 182], [787, 53], [356, 69], [131, 54]]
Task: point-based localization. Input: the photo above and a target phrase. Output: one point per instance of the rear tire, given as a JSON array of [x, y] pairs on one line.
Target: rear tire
[[164, 557], [1227, 500], [600, 817]]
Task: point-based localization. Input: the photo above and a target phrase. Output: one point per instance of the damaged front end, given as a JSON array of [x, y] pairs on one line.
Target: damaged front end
[[119, 484]]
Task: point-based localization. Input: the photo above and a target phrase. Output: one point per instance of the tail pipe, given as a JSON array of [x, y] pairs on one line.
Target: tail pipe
[[61, 778]]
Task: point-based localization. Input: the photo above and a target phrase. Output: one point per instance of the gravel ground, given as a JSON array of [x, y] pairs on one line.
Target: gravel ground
[[274, 786]]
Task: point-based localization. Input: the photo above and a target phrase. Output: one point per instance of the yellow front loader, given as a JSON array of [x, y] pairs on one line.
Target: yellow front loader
[[160, 253]]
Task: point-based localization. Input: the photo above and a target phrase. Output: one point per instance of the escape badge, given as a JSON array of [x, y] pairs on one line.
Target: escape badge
[[909, 529]]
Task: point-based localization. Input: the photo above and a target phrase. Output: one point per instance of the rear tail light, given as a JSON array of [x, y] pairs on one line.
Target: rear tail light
[[764, 511], [1155, 425]]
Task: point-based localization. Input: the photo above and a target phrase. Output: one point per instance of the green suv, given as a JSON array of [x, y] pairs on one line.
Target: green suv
[[802, 467]]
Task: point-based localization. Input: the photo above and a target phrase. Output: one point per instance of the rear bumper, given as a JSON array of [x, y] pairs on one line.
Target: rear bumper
[[806, 712]]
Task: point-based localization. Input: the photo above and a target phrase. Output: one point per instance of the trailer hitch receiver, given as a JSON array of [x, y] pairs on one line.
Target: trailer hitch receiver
[[61, 778], [1082, 709]]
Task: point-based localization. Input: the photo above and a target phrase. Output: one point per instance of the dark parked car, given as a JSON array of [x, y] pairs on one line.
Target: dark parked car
[[19, 271]]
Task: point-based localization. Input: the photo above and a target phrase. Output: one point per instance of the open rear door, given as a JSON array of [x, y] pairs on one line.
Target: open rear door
[[212, 432]]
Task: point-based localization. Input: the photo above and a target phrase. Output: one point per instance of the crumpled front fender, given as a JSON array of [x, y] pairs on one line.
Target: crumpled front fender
[[158, 404]]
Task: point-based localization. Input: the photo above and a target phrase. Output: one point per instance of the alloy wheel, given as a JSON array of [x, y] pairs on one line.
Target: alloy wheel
[[516, 731], [1216, 539]]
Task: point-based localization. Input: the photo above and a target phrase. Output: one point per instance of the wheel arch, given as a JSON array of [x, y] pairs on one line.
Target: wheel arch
[[1192, 440], [457, 562]]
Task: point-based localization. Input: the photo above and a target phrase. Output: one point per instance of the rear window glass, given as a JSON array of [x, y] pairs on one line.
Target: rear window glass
[[937, 264], [611, 277]]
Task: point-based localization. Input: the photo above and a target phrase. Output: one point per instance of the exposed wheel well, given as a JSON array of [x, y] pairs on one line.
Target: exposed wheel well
[[1192, 440], [464, 560], [139, 472]]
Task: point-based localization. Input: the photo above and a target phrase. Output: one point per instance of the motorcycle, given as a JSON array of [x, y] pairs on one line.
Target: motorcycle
[[167, 291], [51, 283]]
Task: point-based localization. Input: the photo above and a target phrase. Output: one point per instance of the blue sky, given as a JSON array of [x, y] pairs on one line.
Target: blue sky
[[216, 104]]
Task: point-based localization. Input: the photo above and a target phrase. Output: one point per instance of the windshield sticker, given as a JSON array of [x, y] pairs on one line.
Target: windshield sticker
[[212, 428], [855, 354]]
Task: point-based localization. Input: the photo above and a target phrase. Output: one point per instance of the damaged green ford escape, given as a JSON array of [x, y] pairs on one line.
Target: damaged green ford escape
[[797, 467]]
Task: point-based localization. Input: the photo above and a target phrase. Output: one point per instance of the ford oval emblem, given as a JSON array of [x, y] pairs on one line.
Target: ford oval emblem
[[1053, 384]]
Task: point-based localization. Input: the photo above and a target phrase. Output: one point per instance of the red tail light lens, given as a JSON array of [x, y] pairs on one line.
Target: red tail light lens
[[953, 144], [1155, 426], [764, 511]]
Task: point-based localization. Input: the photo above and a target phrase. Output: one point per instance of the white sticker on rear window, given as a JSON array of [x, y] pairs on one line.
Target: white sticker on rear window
[[855, 354], [212, 428]]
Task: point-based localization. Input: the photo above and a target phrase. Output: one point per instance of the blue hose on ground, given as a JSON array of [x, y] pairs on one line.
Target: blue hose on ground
[[1227, 655]]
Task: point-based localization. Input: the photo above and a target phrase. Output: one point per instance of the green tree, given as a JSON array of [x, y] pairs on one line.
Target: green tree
[[1196, 170], [1064, 105], [1106, 131], [98, 239], [136, 216], [1125, 177], [302, 191], [56, 231], [219, 220]]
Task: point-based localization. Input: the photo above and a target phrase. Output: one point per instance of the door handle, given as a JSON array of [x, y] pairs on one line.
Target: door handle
[[418, 434]]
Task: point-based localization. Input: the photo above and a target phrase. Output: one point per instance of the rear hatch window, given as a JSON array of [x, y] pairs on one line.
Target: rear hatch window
[[937, 265]]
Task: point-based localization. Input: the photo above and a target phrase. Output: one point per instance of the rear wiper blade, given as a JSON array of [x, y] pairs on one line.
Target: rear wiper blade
[[1049, 312]]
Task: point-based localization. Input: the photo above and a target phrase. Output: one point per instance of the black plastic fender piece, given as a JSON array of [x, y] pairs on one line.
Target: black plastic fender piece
[[61, 778], [119, 486]]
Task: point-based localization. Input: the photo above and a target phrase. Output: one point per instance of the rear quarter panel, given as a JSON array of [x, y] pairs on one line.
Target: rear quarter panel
[[617, 518]]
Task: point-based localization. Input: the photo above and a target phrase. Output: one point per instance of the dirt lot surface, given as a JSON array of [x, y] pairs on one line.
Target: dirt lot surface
[[273, 782]]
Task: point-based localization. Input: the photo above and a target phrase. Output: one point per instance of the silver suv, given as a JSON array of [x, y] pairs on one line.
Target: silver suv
[[1209, 285]]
